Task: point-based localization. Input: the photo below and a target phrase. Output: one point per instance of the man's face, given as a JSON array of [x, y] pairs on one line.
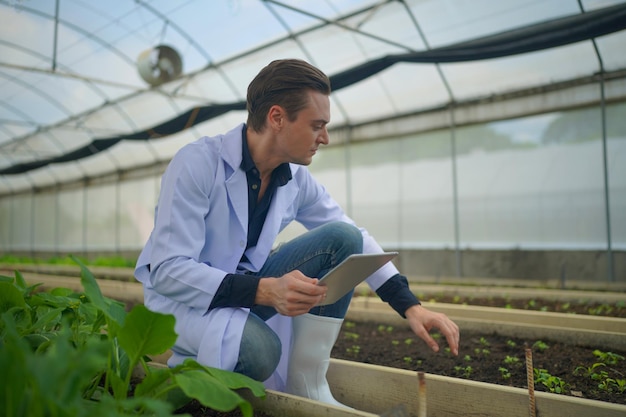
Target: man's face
[[299, 140]]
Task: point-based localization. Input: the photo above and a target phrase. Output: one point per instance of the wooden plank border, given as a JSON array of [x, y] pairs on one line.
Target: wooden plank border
[[377, 389]]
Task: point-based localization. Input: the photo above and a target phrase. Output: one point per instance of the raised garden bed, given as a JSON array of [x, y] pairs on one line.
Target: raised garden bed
[[580, 371], [488, 378], [457, 377]]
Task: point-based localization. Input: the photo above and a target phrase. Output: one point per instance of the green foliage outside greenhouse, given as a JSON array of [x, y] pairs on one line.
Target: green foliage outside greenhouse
[[108, 261]]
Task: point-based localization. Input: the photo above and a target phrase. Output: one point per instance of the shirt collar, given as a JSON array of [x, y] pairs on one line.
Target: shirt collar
[[282, 173], [246, 161]]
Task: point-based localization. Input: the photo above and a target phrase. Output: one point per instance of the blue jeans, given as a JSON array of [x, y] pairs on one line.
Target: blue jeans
[[314, 254]]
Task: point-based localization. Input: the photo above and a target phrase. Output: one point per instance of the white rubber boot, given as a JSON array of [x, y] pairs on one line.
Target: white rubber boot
[[313, 340]]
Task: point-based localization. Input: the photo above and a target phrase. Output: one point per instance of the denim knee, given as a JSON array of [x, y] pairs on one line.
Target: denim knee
[[260, 350], [346, 235]]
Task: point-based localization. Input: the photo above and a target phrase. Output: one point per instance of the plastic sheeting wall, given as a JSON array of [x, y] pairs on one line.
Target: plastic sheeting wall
[[530, 183]]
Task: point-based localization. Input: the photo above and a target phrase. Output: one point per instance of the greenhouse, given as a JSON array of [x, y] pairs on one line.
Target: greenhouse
[[477, 138]]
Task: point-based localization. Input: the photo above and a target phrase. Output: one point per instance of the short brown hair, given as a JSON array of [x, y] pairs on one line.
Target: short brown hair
[[284, 82]]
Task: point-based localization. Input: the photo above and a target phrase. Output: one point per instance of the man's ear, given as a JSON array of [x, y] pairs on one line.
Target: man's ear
[[276, 117]]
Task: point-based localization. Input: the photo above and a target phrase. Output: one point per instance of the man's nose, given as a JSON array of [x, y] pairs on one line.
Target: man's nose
[[324, 137]]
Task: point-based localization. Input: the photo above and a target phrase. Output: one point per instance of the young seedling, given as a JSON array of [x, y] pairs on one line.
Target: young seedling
[[466, 371], [608, 358], [606, 385], [484, 351], [553, 383], [504, 373], [600, 376], [351, 335], [354, 350], [349, 324], [588, 371], [385, 329], [620, 385], [511, 360], [540, 346], [602, 309]]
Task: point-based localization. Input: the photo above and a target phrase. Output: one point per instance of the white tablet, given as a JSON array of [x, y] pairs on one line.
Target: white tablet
[[351, 272]]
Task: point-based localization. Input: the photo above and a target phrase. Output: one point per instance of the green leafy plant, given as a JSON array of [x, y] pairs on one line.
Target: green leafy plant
[[354, 350], [600, 376], [540, 346], [504, 372], [484, 351], [589, 371], [351, 335], [95, 347], [608, 358], [553, 383], [602, 309], [511, 360], [385, 328], [606, 381], [620, 385], [466, 371]]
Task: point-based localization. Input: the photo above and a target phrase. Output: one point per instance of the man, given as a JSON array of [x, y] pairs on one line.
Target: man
[[240, 304]]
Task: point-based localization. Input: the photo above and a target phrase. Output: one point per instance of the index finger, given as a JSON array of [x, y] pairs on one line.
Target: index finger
[[451, 331], [307, 285], [300, 276]]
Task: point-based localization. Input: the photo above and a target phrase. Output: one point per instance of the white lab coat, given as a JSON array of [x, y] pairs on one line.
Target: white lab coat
[[199, 235]]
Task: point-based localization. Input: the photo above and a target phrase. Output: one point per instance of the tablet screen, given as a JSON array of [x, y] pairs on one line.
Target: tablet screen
[[351, 272]]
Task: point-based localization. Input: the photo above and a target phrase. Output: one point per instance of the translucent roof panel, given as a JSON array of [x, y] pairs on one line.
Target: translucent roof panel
[[74, 105], [460, 21]]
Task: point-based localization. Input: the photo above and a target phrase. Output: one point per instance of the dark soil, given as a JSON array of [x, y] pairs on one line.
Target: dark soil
[[488, 358], [567, 370]]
